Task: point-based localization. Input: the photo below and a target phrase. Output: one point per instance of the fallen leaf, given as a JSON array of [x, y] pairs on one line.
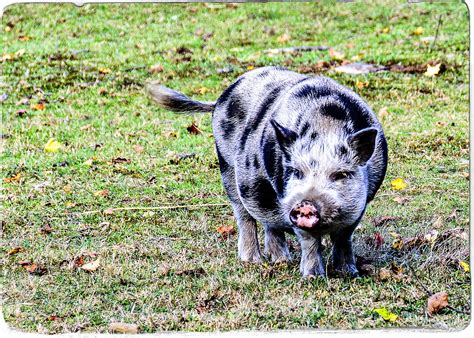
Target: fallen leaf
[[383, 113], [396, 269], [283, 38], [117, 327], [16, 250], [67, 189], [52, 146], [14, 178], [385, 314], [158, 68], [24, 38], [102, 193], [117, 160], [109, 211], [383, 220], [336, 55], [54, 318], [78, 261], [226, 230], [70, 205], [250, 67], [385, 30], [193, 129], [138, 148], [401, 200], [432, 70], [20, 52], [92, 266], [88, 162], [437, 302], [397, 243], [464, 266], [379, 240], [398, 184], [202, 90], [46, 229], [38, 106], [431, 237], [104, 70], [362, 84], [418, 31], [33, 268]]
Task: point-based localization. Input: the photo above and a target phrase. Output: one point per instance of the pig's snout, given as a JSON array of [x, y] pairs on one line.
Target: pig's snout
[[304, 215]]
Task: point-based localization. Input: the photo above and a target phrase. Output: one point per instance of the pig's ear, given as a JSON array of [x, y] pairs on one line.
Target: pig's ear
[[363, 143], [284, 135]]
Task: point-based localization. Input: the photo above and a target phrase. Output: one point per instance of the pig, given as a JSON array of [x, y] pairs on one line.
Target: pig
[[299, 154]]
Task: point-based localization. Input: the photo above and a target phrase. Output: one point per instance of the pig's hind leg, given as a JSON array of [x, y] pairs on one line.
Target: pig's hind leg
[[276, 248], [248, 247]]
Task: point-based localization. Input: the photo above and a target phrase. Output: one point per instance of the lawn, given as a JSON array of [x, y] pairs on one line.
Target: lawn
[[132, 189]]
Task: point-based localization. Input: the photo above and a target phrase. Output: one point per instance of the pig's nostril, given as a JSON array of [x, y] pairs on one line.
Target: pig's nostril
[[304, 215]]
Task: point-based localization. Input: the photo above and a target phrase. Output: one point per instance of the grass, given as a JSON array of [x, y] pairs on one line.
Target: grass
[[171, 269]]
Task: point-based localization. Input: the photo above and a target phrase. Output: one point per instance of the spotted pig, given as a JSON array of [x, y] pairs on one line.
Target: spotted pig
[[299, 154]]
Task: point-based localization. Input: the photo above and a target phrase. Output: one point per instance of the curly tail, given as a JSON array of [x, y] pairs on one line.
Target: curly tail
[[176, 101]]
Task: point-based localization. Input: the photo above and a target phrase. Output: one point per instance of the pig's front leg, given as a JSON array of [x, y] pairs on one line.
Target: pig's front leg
[[342, 255], [276, 248], [312, 263]]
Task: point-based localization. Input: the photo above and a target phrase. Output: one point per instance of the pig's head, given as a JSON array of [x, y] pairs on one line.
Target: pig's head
[[324, 176]]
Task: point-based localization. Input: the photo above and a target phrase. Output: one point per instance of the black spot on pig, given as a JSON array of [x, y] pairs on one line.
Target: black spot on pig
[[224, 166], [334, 110], [226, 93], [304, 129], [228, 128], [259, 116], [264, 194]]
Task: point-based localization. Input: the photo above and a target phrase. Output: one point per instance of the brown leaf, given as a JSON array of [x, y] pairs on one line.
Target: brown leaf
[[33, 268], [92, 266], [401, 200], [383, 220], [283, 38], [335, 54], [14, 178], [379, 240], [78, 261], [437, 302], [117, 327], [138, 148], [226, 230], [117, 160], [384, 274], [193, 129], [102, 193], [191, 272], [158, 68], [38, 106], [16, 250], [46, 229]]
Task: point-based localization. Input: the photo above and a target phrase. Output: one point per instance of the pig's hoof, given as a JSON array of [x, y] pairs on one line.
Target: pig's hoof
[[255, 258], [280, 259], [349, 271]]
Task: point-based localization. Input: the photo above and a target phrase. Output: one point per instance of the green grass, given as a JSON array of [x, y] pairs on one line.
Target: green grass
[[171, 269]]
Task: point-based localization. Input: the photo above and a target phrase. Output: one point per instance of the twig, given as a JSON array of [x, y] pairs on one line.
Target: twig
[[163, 207], [429, 293], [437, 32]]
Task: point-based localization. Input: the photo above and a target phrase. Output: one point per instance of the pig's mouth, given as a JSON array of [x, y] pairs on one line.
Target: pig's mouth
[[305, 215]]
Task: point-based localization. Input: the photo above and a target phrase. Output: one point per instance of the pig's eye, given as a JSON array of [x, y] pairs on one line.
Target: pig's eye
[[340, 175]]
